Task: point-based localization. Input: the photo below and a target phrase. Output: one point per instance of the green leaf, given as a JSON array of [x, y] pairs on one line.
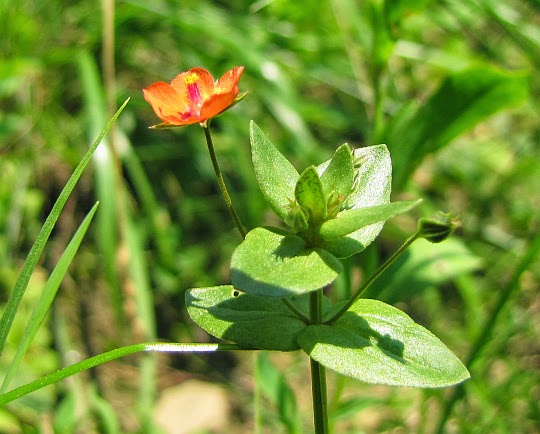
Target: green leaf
[[41, 240], [275, 175], [309, 194], [349, 407], [373, 173], [373, 179], [276, 263], [61, 374], [273, 384], [47, 297], [142, 293], [261, 322], [106, 415], [338, 173], [397, 10], [464, 99], [352, 220], [65, 417], [377, 343], [382, 44]]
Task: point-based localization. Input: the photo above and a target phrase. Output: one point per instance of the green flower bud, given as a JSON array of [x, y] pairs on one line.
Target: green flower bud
[[334, 204], [437, 227], [297, 218]]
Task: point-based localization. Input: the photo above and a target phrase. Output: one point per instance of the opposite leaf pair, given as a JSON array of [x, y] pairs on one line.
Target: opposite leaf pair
[[373, 342], [334, 210]]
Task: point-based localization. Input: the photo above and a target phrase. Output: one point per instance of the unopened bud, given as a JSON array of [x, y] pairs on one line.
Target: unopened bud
[[334, 204], [437, 227], [297, 218]]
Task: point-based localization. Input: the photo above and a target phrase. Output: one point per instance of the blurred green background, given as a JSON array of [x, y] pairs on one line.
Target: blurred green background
[[451, 86]]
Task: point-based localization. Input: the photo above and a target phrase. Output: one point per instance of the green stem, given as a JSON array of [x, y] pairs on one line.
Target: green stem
[[377, 65], [221, 181], [484, 337], [295, 310], [373, 277], [318, 372]]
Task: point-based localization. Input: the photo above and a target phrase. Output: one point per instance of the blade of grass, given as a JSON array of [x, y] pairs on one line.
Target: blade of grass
[[15, 215], [47, 296], [37, 248], [147, 391], [157, 215], [273, 384], [112, 355], [145, 317], [107, 178], [106, 229], [105, 413], [140, 278], [487, 330], [75, 401]]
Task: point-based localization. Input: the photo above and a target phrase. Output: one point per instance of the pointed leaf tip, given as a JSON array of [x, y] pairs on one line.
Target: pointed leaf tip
[[379, 344], [275, 174]]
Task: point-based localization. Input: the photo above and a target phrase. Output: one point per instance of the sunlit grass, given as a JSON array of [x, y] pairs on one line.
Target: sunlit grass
[[313, 79]]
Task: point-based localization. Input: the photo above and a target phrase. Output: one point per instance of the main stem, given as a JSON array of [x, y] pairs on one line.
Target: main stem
[[221, 181], [318, 372]]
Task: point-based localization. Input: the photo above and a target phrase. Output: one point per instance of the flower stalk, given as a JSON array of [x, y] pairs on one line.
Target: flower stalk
[[221, 181], [195, 97], [374, 277]]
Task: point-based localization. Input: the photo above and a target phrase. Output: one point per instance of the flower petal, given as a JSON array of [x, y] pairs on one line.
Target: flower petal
[[216, 104], [229, 81], [206, 82], [179, 85], [165, 101]]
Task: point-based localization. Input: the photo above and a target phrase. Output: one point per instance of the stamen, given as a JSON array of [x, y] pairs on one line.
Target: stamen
[[193, 90], [191, 79]]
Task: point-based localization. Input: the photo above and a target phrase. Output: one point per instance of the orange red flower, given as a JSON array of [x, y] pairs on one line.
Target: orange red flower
[[193, 96]]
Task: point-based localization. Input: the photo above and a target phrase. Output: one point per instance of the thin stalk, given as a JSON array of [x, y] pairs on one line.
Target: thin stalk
[[295, 310], [373, 277], [484, 337], [221, 181], [318, 372]]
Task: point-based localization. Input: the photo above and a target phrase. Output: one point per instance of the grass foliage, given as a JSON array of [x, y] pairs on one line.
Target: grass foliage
[[450, 86]]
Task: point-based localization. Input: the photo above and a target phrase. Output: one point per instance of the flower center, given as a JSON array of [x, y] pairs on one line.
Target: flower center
[[193, 90]]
